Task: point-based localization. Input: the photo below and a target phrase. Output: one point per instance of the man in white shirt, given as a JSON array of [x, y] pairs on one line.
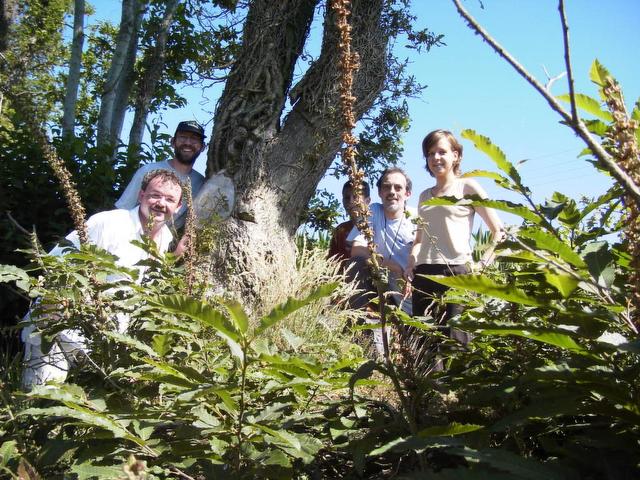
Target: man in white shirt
[[187, 143], [159, 198], [394, 232]]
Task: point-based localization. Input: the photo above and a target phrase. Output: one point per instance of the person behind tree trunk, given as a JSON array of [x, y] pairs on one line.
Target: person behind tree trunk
[[188, 143], [442, 242], [340, 248], [393, 229]]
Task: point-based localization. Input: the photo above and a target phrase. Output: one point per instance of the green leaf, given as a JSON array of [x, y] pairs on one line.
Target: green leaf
[[87, 417], [88, 471], [417, 441], [564, 283], [554, 338], [548, 242], [275, 457], [600, 262], [598, 73], [292, 339], [485, 145], [486, 286], [597, 127], [292, 304], [203, 313], [499, 179], [238, 315], [10, 273], [589, 105], [515, 465], [475, 201], [131, 342], [451, 429], [364, 371], [162, 344], [8, 451], [282, 435]]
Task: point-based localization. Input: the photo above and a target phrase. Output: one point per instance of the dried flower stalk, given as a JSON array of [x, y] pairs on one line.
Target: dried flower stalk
[[190, 238], [622, 144]]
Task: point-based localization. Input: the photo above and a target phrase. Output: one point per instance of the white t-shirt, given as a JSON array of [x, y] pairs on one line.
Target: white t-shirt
[[113, 231], [393, 238]]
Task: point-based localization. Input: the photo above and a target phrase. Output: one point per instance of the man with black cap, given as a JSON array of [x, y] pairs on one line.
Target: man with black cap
[[187, 143]]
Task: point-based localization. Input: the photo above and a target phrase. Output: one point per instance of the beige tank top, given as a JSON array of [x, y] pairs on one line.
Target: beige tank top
[[446, 230]]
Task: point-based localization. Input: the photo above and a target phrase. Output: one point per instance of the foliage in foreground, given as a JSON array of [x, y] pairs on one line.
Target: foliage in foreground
[[194, 386], [549, 388]]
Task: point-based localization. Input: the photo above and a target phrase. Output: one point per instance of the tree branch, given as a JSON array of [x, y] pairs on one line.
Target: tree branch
[[607, 161], [567, 61]]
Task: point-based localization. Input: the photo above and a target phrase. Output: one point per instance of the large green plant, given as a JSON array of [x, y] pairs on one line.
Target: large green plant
[[194, 387], [550, 386]]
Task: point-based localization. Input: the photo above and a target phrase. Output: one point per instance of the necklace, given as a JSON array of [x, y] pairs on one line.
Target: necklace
[[391, 248]]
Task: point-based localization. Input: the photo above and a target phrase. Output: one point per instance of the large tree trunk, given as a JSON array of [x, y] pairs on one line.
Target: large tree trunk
[[8, 11], [153, 65], [75, 65], [277, 167], [117, 85]]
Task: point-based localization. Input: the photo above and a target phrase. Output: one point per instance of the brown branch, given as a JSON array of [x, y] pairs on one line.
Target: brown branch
[[567, 61], [607, 161]]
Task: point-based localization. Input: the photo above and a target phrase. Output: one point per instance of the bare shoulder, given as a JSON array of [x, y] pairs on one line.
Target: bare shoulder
[[472, 187]]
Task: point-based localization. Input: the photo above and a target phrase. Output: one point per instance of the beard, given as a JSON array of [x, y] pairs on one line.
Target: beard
[[186, 158]]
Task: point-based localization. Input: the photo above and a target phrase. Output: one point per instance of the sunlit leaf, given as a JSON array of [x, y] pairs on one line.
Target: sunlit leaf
[[546, 241], [204, 313], [293, 304], [564, 283], [598, 73], [238, 315], [7, 451], [161, 344], [281, 435], [600, 262], [87, 417], [485, 145], [589, 105], [131, 342], [10, 273], [486, 286], [503, 205]]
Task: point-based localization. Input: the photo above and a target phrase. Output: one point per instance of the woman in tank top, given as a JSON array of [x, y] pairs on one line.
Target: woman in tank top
[[442, 243]]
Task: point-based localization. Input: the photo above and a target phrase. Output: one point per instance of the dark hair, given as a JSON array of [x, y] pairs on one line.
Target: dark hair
[[391, 170], [364, 186], [433, 138], [162, 174]]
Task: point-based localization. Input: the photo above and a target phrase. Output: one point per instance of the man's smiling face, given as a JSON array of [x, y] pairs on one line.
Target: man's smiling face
[[394, 194], [159, 201], [186, 147]]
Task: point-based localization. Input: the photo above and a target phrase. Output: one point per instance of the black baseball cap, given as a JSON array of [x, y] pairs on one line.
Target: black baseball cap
[[191, 126]]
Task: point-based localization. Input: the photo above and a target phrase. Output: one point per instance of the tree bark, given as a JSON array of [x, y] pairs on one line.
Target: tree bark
[[276, 166], [8, 11], [118, 82], [75, 65], [153, 66]]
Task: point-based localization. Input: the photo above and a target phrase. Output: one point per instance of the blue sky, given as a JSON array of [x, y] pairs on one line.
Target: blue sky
[[469, 86]]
